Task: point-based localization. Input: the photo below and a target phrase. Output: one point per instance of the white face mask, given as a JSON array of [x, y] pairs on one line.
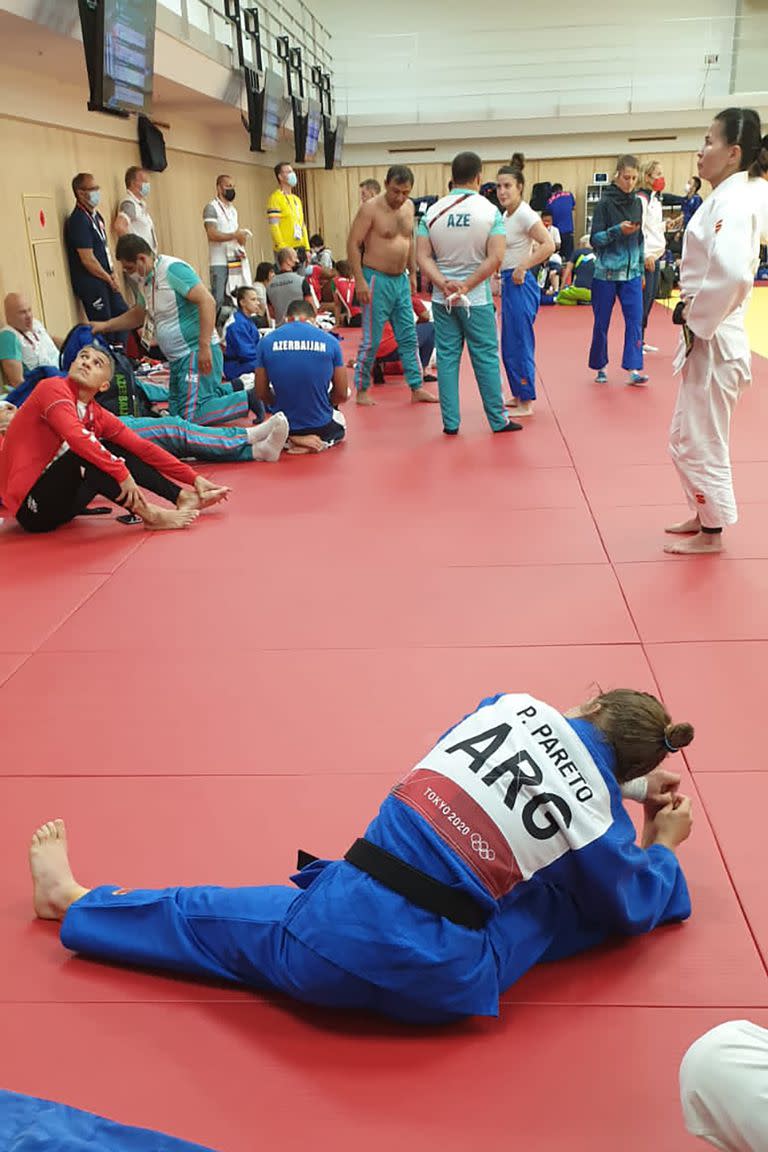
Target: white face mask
[[145, 188], [292, 179]]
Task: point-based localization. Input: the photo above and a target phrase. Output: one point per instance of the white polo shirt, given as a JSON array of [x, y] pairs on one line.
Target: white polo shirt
[[140, 222], [224, 216], [458, 226], [518, 229], [35, 348]]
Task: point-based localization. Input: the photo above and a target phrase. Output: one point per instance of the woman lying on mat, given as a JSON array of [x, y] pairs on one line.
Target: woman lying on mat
[[506, 845]]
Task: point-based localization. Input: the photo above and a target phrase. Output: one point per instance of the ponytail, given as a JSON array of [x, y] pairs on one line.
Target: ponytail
[[759, 166]]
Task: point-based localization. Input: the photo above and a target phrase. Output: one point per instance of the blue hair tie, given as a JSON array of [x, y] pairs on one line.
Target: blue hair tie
[[669, 747]]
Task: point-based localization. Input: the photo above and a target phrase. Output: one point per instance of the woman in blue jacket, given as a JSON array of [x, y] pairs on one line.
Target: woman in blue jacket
[[617, 240], [506, 845]]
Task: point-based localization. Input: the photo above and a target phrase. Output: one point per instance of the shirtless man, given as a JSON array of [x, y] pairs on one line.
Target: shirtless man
[[384, 226]]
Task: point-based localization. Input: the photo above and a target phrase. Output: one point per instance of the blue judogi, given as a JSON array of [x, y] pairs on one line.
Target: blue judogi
[[28, 1124], [241, 342], [562, 874], [519, 308]]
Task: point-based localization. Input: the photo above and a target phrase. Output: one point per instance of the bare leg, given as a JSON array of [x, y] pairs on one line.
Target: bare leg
[[54, 888], [364, 398]]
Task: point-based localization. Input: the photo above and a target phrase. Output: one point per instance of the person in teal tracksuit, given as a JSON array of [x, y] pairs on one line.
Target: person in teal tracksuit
[[380, 250], [180, 311], [460, 244]]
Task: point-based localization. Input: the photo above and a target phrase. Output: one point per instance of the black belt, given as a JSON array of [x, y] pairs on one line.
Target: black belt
[[416, 886]]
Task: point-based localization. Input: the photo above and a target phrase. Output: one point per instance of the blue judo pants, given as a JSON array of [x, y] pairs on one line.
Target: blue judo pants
[[235, 934], [630, 294], [519, 308]]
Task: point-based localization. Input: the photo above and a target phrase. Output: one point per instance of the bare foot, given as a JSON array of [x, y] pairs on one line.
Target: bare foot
[[165, 519], [702, 543], [511, 403], [523, 409], [685, 527], [300, 445], [364, 399], [204, 496], [54, 888], [422, 396]]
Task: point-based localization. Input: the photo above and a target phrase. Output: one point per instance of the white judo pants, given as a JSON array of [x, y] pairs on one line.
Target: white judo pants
[[724, 1087], [700, 431]]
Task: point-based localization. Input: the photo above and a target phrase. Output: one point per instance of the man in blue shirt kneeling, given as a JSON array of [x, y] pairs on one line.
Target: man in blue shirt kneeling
[[300, 372]]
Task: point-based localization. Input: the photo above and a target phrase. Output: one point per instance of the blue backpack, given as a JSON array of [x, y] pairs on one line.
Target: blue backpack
[[123, 397]]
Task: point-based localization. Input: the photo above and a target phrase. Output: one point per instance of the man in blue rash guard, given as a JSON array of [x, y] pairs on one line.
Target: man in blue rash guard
[[508, 844]]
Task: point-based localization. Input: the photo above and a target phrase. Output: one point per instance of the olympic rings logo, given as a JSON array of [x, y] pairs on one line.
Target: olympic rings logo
[[482, 847]]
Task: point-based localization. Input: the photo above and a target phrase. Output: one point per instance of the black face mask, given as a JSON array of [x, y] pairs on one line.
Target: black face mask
[[229, 194]]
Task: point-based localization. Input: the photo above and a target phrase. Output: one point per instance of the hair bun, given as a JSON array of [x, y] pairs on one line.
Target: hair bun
[[678, 735], [518, 160]]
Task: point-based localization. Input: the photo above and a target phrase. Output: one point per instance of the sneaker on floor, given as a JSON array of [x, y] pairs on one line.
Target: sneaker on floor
[[637, 378], [450, 431], [650, 348], [601, 377]]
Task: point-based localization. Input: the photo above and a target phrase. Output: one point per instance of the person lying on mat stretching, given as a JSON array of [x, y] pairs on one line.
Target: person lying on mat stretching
[[61, 449], [506, 845]]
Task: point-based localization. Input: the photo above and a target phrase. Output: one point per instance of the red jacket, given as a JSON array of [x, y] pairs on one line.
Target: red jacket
[[48, 418]]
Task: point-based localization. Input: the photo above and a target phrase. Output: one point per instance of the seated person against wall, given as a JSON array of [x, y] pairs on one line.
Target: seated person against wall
[[549, 277], [577, 275], [265, 274], [45, 483], [181, 312], [25, 345], [287, 285], [242, 335], [388, 352], [300, 372], [345, 290], [318, 253]]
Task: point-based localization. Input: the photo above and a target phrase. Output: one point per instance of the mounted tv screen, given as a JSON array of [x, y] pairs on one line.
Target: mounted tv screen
[[119, 44], [314, 124]]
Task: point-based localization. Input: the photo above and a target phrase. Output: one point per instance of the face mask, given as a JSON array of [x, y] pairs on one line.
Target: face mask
[[688, 189], [292, 180], [659, 184], [144, 189], [229, 194], [94, 198]]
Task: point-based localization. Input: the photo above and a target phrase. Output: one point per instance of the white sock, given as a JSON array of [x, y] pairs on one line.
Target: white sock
[[258, 432], [268, 451]]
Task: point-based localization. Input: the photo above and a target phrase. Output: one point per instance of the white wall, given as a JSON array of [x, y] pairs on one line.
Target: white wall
[[448, 71]]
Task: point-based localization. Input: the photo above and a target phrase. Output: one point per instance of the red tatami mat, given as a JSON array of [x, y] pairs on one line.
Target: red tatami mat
[[243, 1076], [391, 693], [199, 706]]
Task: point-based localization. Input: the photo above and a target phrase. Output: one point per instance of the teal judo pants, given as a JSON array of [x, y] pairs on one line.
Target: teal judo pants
[[183, 439], [204, 399], [475, 327], [390, 300]]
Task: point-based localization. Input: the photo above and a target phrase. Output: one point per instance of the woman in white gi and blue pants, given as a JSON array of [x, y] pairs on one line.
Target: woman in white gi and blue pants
[[507, 844], [528, 245]]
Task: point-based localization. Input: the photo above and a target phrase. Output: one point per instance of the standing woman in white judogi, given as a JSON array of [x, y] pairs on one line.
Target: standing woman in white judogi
[[720, 254]]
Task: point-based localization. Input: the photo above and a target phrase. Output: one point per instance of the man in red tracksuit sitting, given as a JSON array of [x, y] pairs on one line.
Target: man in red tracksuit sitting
[[62, 449]]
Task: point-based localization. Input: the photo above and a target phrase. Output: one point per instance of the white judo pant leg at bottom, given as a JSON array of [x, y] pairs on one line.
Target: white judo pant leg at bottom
[[724, 1087], [700, 432]]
